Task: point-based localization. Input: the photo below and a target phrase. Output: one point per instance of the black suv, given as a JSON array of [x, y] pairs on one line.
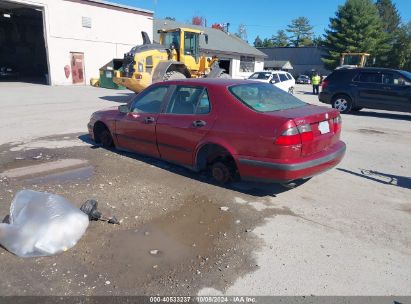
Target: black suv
[[375, 88]]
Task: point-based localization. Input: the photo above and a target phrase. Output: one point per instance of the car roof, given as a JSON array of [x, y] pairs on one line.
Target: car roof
[[209, 81], [272, 71], [369, 69]]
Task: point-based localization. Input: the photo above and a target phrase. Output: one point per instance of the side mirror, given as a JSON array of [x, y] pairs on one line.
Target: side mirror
[[123, 109], [206, 38]]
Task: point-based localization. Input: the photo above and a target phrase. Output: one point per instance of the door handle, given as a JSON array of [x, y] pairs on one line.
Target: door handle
[[387, 88], [149, 120], [199, 123]]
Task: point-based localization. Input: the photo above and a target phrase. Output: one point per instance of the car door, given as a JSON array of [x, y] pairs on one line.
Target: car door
[[368, 87], [136, 130], [284, 83], [395, 92], [275, 80], [186, 120]]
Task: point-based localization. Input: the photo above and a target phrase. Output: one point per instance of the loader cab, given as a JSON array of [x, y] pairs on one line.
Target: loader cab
[[186, 44]]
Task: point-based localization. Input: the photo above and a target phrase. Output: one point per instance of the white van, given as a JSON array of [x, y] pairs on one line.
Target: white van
[[281, 79]]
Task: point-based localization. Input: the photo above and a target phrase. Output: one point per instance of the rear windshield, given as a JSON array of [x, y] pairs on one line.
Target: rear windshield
[[264, 97]]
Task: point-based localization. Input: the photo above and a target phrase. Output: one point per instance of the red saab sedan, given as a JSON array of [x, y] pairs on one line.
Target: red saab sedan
[[233, 128]]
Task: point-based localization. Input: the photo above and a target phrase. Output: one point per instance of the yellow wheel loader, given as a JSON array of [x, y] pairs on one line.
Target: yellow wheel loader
[[357, 60], [177, 56]]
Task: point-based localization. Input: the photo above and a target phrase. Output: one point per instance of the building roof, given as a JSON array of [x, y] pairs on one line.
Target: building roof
[[116, 6], [219, 42], [278, 64], [296, 55]]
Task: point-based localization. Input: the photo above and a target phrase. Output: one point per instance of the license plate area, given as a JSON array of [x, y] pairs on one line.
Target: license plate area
[[324, 127]]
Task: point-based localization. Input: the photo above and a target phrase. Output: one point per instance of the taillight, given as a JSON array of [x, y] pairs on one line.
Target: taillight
[[324, 84], [337, 124], [289, 137], [295, 135], [306, 133]]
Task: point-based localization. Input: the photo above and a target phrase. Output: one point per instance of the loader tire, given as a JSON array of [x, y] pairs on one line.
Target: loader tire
[[173, 75]]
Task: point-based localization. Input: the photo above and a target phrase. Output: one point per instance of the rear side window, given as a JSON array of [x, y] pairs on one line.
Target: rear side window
[[342, 75], [283, 77], [289, 76], [189, 100], [264, 97], [369, 77]]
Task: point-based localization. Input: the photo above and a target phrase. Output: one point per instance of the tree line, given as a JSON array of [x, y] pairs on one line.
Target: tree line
[[359, 26]]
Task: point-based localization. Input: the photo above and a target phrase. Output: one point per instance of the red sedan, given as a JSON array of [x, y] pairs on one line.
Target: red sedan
[[233, 128]]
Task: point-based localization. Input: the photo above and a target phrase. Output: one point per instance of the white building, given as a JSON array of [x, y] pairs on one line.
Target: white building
[[236, 56], [66, 41]]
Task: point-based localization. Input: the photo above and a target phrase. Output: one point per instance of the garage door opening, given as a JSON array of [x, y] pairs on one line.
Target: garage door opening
[[23, 54], [224, 64]]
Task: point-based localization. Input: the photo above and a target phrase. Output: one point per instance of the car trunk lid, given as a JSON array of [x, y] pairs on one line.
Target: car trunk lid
[[319, 127]]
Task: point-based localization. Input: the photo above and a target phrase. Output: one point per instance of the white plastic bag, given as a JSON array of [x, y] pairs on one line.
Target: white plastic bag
[[42, 224]]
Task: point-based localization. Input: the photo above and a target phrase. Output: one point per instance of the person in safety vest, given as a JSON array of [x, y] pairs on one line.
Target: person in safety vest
[[316, 80]]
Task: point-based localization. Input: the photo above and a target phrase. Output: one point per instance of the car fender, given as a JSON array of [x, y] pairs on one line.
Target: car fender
[[214, 141]]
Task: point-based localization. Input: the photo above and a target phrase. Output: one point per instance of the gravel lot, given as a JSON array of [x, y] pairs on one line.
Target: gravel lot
[[345, 232]]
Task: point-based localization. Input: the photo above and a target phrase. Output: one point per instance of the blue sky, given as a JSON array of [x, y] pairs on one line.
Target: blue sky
[[262, 17]]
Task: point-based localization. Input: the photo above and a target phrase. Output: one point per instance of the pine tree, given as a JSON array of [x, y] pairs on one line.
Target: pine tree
[[280, 39], [401, 51], [389, 15], [258, 42], [301, 31], [267, 43], [356, 27], [391, 20]]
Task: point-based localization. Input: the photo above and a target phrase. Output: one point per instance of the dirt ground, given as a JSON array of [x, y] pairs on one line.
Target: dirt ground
[[344, 232]]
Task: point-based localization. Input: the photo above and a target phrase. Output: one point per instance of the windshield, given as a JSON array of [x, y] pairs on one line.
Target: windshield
[[172, 38], [264, 97], [407, 75], [260, 75]]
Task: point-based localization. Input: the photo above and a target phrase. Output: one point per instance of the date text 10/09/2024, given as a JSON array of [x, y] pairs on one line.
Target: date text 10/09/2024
[[203, 299]]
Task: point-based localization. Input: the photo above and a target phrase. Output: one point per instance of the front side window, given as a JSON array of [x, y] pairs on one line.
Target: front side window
[[150, 101], [275, 78], [283, 77], [394, 79], [189, 100], [262, 97]]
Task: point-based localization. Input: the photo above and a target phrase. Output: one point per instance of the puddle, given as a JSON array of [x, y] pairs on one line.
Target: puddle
[[370, 131], [43, 168], [187, 240], [74, 175]]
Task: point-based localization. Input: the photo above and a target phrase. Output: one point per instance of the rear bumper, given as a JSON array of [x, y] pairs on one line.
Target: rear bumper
[[273, 171]]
